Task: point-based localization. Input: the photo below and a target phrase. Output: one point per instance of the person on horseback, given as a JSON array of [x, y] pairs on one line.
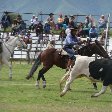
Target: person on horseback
[[70, 41]]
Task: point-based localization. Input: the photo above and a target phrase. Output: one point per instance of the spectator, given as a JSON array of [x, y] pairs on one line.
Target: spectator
[[19, 19], [60, 21], [14, 28], [36, 22], [39, 29], [50, 20], [93, 33], [103, 37], [80, 32], [52, 39], [66, 20], [87, 22], [102, 22], [72, 23], [22, 34], [28, 41], [18, 25], [33, 19], [62, 35], [47, 28], [5, 21], [87, 26]]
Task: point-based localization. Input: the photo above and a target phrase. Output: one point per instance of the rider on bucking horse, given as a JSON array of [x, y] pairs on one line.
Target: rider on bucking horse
[[70, 41]]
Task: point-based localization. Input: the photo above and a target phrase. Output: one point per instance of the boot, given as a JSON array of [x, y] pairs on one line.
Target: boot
[[70, 63]]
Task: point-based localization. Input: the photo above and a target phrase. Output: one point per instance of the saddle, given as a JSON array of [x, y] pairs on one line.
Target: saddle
[[62, 51]]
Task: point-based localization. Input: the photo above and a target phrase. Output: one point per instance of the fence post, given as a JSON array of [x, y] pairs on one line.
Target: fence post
[[107, 29]]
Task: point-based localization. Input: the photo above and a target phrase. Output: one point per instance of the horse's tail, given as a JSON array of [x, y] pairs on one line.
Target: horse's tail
[[34, 67]]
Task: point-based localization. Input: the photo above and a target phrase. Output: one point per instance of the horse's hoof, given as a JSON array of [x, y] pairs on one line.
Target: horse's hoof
[[28, 77], [37, 86], [70, 89], [95, 88], [44, 84], [93, 96], [10, 78], [62, 94]]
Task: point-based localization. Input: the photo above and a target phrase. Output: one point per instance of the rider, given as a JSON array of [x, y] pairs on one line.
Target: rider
[[70, 41]]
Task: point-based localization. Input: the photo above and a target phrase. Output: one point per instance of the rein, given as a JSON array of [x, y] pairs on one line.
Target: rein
[[8, 48]]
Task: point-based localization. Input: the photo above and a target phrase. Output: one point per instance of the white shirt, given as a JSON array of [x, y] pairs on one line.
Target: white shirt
[[33, 20]]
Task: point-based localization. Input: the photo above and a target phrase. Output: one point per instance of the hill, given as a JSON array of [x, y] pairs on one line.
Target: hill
[[58, 6]]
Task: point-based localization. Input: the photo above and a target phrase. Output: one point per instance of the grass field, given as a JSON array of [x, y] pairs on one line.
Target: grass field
[[21, 95]]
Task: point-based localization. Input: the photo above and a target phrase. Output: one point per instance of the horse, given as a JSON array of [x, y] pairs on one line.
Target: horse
[[8, 49], [98, 70], [52, 56]]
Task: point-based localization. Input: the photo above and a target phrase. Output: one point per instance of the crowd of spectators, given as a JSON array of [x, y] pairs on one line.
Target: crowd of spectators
[[87, 28]]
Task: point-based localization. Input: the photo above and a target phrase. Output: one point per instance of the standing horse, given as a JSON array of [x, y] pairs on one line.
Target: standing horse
[[52, 56], [8, 49]]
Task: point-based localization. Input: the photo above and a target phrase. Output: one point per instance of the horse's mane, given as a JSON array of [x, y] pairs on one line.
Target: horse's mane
[[93, 48]]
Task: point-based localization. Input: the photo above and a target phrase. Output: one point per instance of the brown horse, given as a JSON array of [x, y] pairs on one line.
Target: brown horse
[[52, 56]]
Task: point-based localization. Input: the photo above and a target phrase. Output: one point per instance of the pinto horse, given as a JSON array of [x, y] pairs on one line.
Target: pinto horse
[[52, 56]]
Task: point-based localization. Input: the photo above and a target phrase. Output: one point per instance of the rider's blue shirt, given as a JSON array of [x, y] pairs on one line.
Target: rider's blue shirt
[[70, 41]]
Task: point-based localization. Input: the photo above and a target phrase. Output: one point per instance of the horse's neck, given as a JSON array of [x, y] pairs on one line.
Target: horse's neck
[[11, 44]]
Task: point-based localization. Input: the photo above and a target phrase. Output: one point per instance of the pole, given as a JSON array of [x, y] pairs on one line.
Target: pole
[[107, 29]]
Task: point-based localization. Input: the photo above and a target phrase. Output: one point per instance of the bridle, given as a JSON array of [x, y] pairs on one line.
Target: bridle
[[11, 45]]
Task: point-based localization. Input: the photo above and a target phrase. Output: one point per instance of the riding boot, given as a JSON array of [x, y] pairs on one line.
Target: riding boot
[[70, 63], [44, 84]]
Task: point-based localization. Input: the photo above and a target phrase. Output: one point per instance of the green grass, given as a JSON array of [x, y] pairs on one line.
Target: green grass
[[21, 95]]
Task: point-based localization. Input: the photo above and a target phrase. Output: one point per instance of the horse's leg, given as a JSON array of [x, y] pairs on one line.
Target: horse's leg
[[41, 75], [95, 86], [67, 85], [101, 92], [110, 88], [64, 78], [10, 68], [28, 56]]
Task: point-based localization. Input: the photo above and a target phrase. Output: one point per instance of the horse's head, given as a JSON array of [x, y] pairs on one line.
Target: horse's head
[[93, 48], [100, 50], [20, 43]]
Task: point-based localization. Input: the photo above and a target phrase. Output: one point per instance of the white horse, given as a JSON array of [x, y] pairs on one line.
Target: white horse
[[8, 49]]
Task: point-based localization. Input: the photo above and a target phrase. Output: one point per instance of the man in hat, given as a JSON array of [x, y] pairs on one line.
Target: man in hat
[[102, 22], [50, 20], [93, 33], [5, 21], [70, 41], [33, 19]]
